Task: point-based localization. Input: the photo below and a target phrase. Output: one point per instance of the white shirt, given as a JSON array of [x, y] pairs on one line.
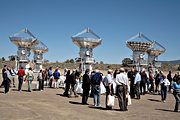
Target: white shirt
[[122, 79], [107, 80], [165, 81], [137, 78]]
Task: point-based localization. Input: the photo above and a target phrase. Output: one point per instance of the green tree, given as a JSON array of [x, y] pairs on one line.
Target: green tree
[[71, 60], [3, 59]]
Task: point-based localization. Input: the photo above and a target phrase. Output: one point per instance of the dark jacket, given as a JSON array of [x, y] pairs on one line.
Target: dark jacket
[[86, 82]]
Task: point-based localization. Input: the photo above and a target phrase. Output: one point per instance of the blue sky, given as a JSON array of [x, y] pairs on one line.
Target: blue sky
[[115, 21]]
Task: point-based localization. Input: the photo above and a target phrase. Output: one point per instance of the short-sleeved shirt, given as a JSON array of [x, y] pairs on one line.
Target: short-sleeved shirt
[[107, 80]]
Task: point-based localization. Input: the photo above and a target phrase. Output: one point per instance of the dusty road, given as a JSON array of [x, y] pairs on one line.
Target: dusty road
[[50, 105]]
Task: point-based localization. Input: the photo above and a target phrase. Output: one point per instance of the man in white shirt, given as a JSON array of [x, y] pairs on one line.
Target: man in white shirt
[[122, 88], [108, 83]]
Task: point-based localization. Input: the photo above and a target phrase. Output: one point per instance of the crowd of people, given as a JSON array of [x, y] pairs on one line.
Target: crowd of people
[[120, 83]]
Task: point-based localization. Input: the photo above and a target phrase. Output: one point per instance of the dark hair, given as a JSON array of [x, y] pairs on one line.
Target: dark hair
[[30, 68], [68, 72], [5, 65], [87, 70], [178, 77]]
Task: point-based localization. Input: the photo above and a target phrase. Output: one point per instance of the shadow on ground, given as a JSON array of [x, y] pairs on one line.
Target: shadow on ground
[[165, 110], [76, 103], [1, 91], [154, 100]]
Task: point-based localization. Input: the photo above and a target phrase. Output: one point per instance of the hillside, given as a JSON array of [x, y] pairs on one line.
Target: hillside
[[166, 65], [175, 62]]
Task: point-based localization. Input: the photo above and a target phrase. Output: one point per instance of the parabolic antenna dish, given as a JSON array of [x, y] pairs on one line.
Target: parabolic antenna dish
[[40, 48], [86, 39], [139, 42], [24, 38], [156, 50]]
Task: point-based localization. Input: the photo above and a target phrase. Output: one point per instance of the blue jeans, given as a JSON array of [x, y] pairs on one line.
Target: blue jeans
[[20, 83], [163, 92], [97, 94], [29, 85]]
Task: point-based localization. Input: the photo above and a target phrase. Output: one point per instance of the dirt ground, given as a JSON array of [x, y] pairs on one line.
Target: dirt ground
[[51, 105]]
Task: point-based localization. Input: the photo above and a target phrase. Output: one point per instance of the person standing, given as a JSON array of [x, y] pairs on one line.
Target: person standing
[[46, 77], [143, 82], [137, 81], [73, 83], [29, 78], [169, 77], [108, 84], [164, 82], [96, 81], [21, 74], [6, 80], [41, 80], [56, 76], [157, 81], [85, 87], [50, 77], [176, 93], [68, 83], [13, 75], [152, 82], [3, 75], [131, 77], [122, 89]]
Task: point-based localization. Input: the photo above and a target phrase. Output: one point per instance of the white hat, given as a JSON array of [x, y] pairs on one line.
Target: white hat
[[109, 70], [97, 70], [122, 69]]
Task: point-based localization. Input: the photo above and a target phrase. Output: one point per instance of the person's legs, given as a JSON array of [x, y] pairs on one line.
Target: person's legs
[[124, 97], [6, 86], [162, 93], [98, 95], [87, 95], [120, 97], [83, 97], [39, 84], [42, 85], [165, 92], [20, 83], [177, 98], [137, 90], [141, 87], [94, 99], [29, 85]]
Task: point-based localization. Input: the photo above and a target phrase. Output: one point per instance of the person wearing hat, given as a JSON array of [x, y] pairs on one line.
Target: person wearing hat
[[176, 93], [108, 84], [121, 89]]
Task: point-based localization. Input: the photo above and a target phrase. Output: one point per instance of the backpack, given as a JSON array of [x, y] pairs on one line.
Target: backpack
[[56, 75], [96, 79]]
